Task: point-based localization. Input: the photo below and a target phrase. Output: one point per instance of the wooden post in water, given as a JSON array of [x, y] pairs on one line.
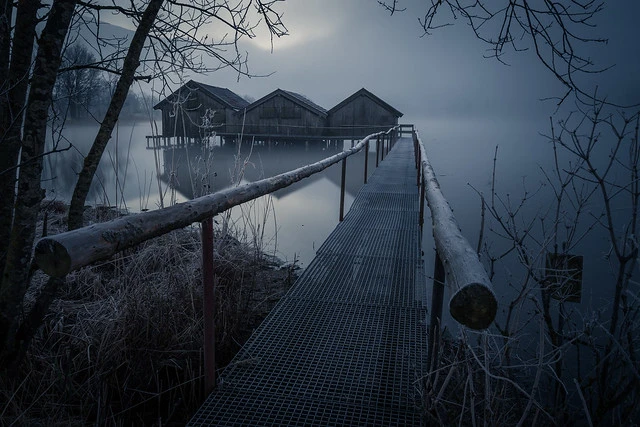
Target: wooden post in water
[[209, 306], [366, 160], [342, 185]]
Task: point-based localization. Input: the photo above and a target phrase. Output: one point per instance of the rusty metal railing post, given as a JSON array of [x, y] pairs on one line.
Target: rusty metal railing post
[[415, 149], [209, 306], [419, 158], [366, 161], [342, 185], [437, 297], [421, 220]]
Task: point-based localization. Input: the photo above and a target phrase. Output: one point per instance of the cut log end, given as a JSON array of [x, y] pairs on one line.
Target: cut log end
[[474, 306], [52, 258]]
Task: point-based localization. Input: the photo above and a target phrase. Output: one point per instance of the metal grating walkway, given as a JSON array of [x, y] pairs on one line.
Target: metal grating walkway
[[347, 344]]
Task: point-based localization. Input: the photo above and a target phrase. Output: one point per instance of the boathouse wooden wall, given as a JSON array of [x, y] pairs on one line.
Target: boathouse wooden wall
[[279, 115], [360, 115], [186, 118], [184, 111]]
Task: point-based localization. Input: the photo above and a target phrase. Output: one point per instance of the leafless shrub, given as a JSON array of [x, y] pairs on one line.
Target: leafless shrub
[[583, 366]]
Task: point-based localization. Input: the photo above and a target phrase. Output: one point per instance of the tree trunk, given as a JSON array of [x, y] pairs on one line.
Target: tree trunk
[[92, 160], [16, 269], [14, 91], [6, 14]]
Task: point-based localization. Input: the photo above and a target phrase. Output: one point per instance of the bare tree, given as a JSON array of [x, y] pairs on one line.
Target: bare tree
[[590, 189], [171, 36], [78, 83], [174, 33], [559, 32], [13, 92], [27, 201]]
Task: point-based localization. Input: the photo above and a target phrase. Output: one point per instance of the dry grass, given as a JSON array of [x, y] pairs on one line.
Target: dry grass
[[122, 344]]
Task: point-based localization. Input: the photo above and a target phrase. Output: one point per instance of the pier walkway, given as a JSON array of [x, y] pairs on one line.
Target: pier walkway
[[347, 345]]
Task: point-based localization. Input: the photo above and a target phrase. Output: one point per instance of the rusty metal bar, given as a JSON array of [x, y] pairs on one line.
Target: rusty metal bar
[[342, 187], [420, 174], [208, 282], [421, 220], [366, 161], [437, 298]]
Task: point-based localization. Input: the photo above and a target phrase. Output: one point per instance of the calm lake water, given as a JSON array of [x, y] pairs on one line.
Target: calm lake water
[[293, 222]]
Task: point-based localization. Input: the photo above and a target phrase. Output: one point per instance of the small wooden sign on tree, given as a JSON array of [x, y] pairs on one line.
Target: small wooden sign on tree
[[564, 275]]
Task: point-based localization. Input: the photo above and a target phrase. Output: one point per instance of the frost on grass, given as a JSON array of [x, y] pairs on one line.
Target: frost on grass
[[122, 342]]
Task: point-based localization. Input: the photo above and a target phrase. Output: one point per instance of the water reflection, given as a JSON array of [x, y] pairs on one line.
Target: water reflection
[[294, 220], [192, 170], [126, 175], [292, 223]]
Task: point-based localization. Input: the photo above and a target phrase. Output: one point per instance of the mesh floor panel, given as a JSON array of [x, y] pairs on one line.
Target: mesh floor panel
[[347, 344]]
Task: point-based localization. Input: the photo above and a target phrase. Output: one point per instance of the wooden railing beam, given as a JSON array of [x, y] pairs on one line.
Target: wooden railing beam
[[60, 254], [473, 302]]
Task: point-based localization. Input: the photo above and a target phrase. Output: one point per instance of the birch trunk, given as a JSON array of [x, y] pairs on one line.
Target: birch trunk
[[16, 269], [15, 84]]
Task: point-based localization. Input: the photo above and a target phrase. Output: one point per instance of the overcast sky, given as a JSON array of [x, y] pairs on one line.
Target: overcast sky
[[335, 47]]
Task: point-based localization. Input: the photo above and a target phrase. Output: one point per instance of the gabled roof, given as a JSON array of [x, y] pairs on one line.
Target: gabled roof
[[223, 95], [366, 93], [296, 98]]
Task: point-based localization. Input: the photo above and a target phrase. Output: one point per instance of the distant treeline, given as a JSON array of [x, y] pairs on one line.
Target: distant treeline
[[84, 91]]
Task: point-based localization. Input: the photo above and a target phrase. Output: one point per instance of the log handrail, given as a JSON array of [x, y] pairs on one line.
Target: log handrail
[[60, 254], [473, 302]]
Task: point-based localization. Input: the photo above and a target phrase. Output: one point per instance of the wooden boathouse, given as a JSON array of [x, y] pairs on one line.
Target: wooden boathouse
[[361, 114], [282, 113], [196, 111]]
